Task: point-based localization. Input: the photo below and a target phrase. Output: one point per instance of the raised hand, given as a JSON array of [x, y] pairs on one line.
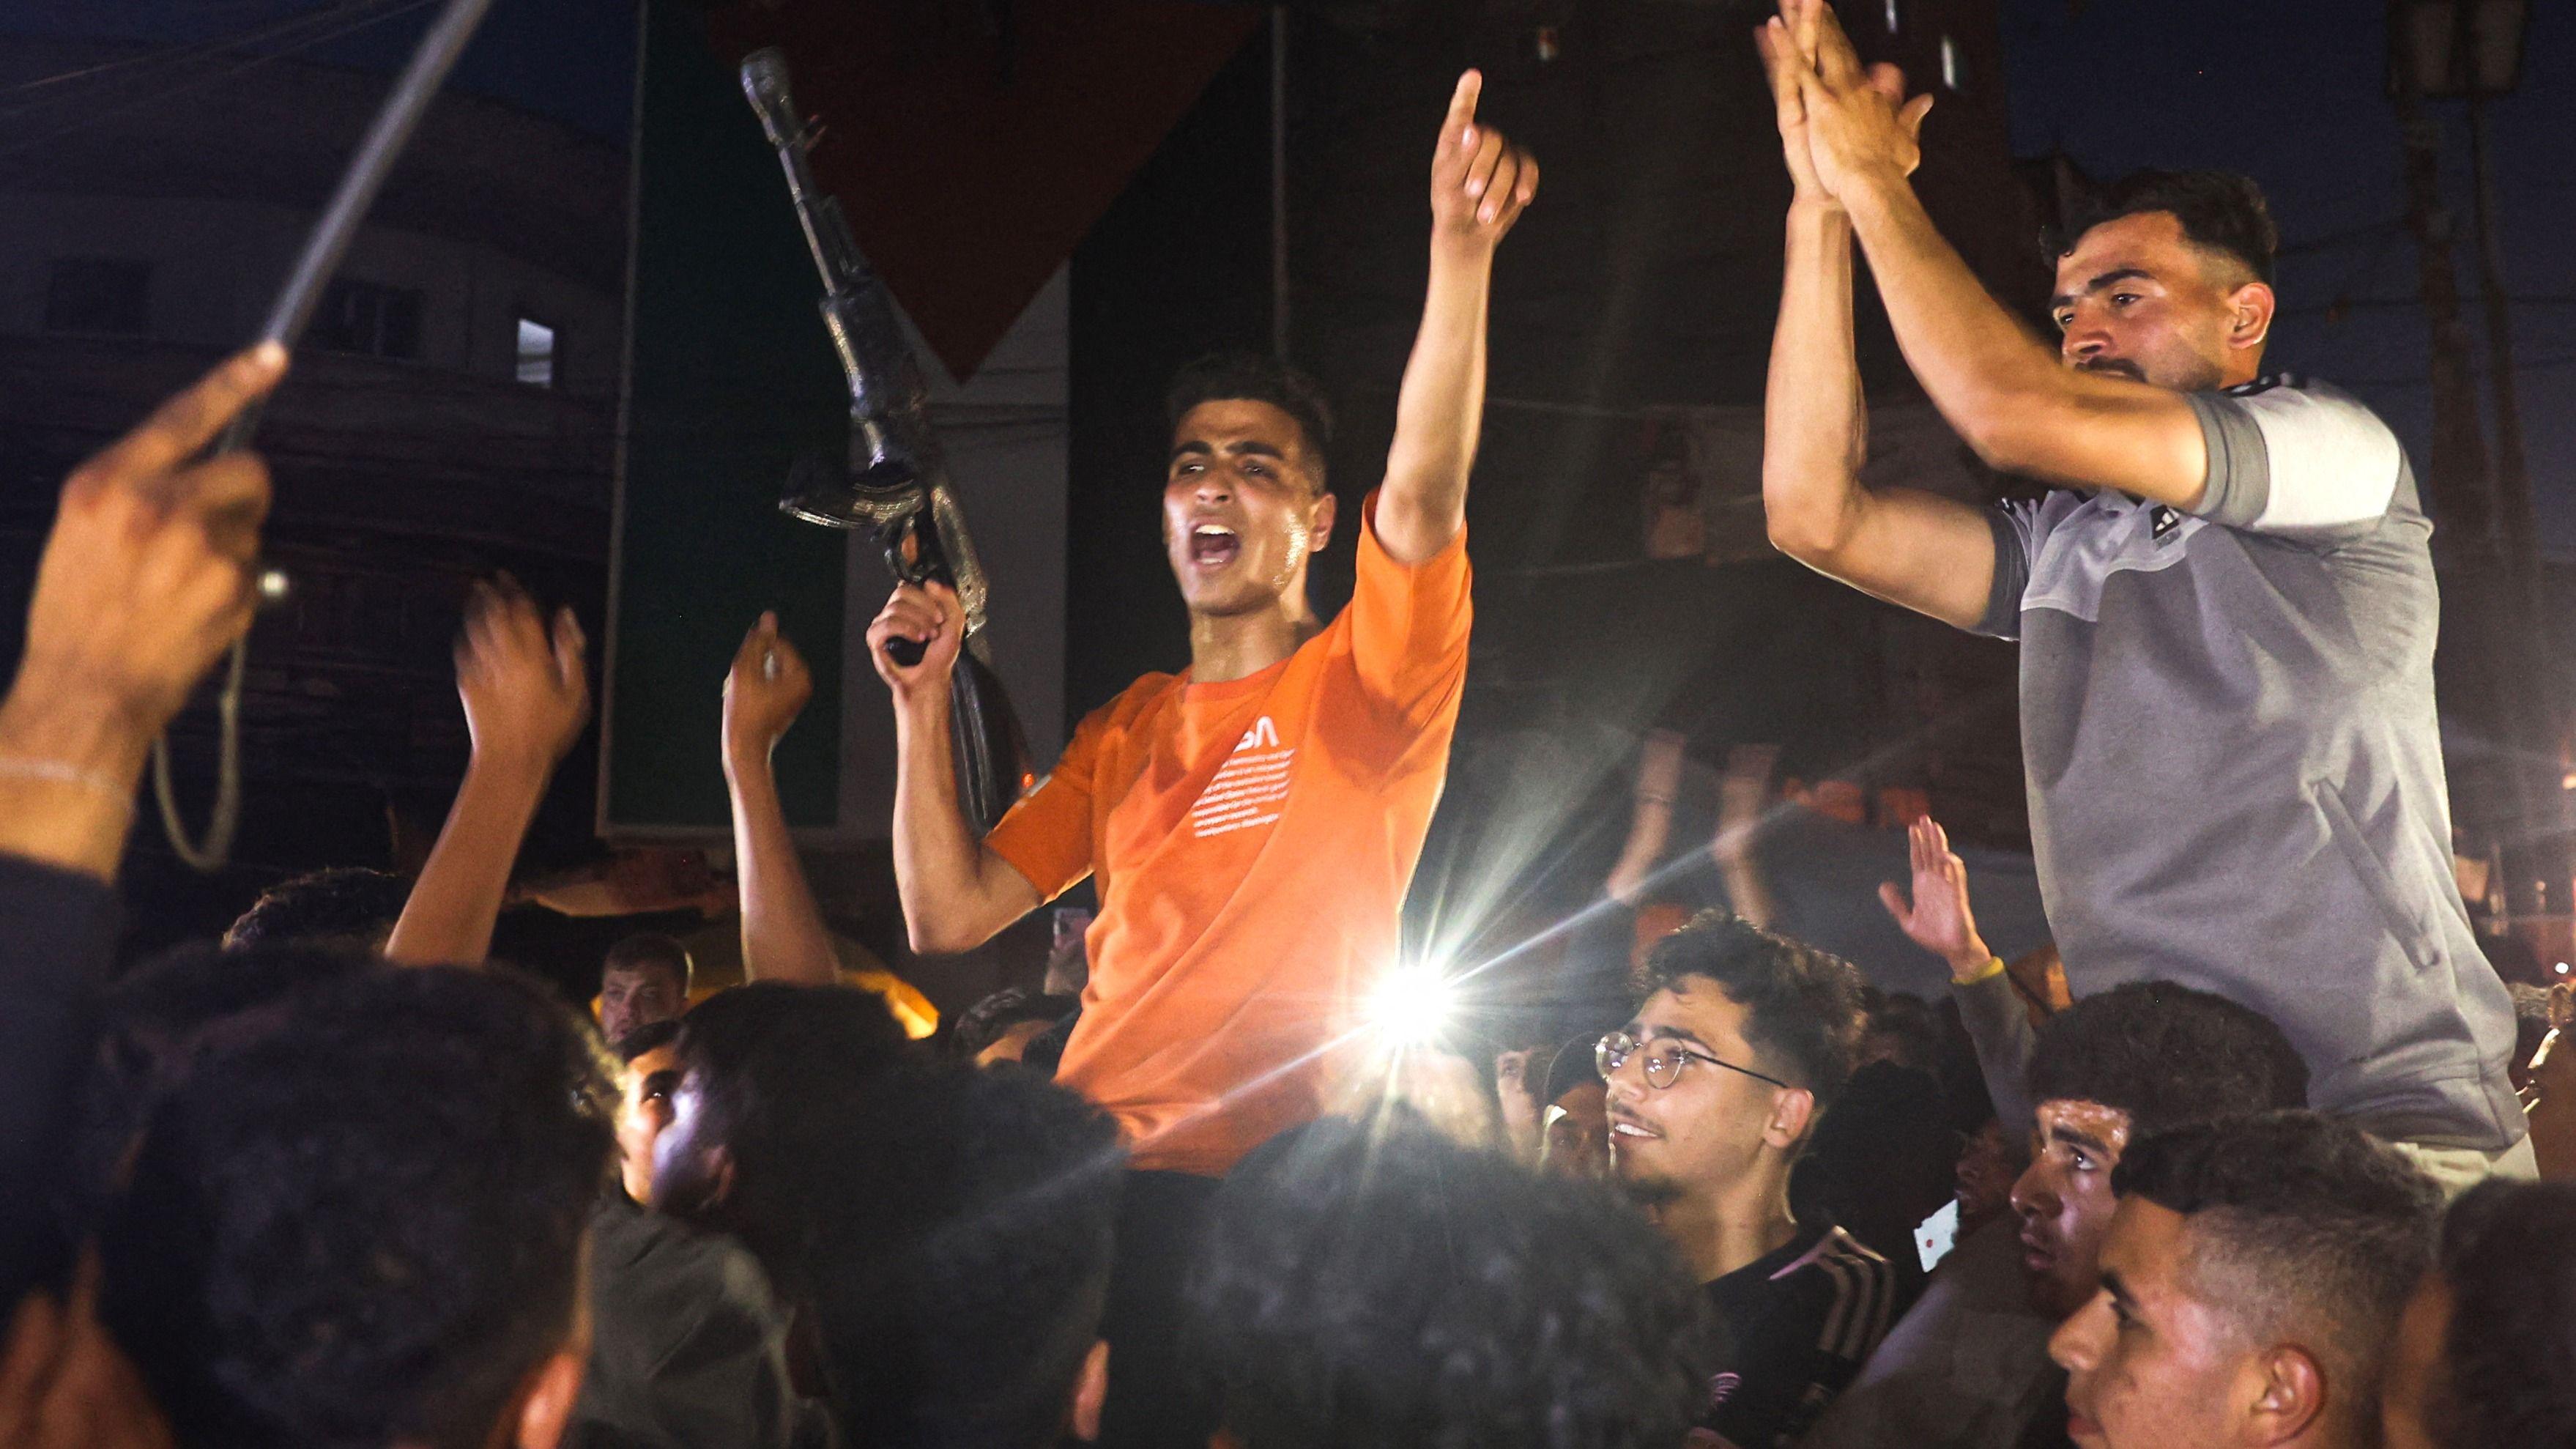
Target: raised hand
[[1855, 121], [1480, 181], [931, 616], [147, 575], [526, 690], [1784, 52], [1938, 919], [766, 689], [145, 580]]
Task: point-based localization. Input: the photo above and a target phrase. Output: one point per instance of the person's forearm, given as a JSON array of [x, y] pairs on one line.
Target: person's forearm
[[783, 936], [68, 770], [1813, 439], [453, 907], [938, 862], [1648, 831], [1440, 409], [1976, 361]]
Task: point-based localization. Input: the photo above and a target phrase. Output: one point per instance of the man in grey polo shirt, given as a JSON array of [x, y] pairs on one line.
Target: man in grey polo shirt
[[2226, 618]]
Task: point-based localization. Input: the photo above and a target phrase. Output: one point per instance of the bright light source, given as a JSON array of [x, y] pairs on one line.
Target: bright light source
[[274, 586], [1412, 1004]]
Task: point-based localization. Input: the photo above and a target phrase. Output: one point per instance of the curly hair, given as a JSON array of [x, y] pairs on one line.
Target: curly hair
[[356, 1216], [343, 903], [1803, 1007], [2511, 1348], [2300, 1226], [1220, 376], [2167, 1055], [1378, 1286], [2220, 211]]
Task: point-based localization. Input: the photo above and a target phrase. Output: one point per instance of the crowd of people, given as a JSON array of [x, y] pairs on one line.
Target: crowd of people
[[341, 1181]]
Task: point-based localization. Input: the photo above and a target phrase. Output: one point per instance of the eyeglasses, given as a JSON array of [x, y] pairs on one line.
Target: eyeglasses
[[1664, 1060]]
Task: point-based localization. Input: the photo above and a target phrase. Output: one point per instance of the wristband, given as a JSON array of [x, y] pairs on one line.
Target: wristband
[[61, 773], [1994, 967]]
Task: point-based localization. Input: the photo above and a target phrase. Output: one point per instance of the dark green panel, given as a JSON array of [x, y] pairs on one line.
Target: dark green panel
[[732, 378]]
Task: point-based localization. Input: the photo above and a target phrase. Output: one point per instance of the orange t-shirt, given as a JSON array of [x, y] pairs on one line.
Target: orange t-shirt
[[1253, 841]]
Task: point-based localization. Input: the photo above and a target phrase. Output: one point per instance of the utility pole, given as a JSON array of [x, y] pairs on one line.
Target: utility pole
[[2472, 49]]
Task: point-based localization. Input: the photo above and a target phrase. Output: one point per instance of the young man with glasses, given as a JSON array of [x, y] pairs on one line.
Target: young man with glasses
[[1715, 1088]]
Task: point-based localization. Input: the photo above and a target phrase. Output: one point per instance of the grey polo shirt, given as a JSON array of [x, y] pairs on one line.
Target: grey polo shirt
[[2233, 762]]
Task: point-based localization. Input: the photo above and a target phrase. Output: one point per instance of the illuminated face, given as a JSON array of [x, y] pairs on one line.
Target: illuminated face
[[2150, 1364], [632, 998], [692, 1168], [2138, 300], [1242, 511], [2065, 1200], [1578, 1133], [1708, 1128], [643, 1111], [2412, 1396]]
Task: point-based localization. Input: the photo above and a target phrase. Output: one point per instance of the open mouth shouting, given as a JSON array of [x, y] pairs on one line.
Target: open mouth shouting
[[1213, 546]]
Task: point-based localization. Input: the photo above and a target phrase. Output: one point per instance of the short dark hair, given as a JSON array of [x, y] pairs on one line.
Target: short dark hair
[[2167, 1055], [1574, 1063], [651, 1036], [344, 903], [1256, 376], [782, 1071], [356, 1217], [1802, 1006], [2511, 1350], [150, 1024], [2300, 1222], [960, 1280], [2220, 211], [650, 951], [982, 1024], [1378, 1286]]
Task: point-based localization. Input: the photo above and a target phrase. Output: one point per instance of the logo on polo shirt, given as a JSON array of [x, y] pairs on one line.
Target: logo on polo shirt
[[2161, 523]]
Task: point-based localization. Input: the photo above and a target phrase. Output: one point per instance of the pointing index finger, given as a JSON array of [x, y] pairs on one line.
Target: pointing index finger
[[1462, 103], [187, 422]]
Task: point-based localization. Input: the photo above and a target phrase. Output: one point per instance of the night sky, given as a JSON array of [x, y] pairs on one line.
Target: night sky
[[2290, 94]]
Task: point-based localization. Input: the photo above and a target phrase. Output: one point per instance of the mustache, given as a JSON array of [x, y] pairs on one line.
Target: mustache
[[2116, 366]]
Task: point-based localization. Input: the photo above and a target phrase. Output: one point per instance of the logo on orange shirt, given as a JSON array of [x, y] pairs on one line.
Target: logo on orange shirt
[[1247, 789]]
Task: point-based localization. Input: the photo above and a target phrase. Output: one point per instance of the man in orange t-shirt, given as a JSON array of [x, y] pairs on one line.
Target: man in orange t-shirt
[[1252, 822]]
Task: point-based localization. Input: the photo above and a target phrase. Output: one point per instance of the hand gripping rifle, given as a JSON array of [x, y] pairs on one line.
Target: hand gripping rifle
[[895, 484]]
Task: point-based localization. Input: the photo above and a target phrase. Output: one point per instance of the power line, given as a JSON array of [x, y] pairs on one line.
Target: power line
[[170, 93]]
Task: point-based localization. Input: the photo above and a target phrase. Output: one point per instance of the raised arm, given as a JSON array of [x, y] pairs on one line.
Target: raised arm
[[956, 891], [783, 937], [1479, 184], [1928, 553], [1996, 382], [1935, 915], [527, 698], [144, 582]]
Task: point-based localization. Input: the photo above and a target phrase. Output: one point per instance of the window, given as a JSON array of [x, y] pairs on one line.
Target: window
[[99, 294], [368, 318], [536, 353], [1891, 17], [1954, 67]]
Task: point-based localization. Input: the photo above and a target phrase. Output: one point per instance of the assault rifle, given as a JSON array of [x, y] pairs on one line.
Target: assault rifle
[[894, 484]]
